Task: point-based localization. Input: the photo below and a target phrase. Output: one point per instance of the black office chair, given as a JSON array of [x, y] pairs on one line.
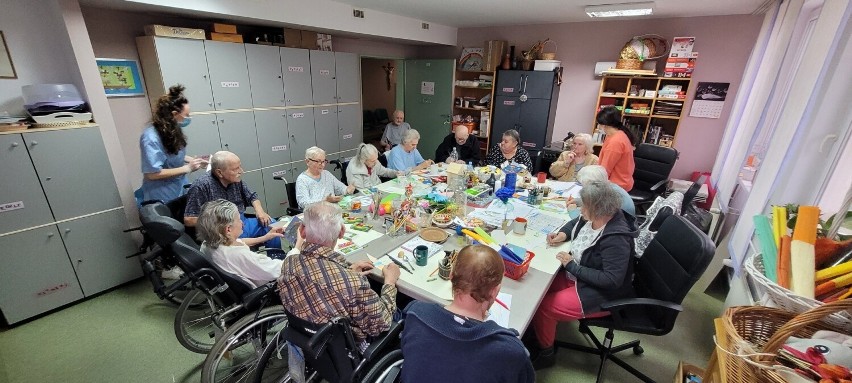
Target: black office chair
[[341, 165], [653, 165], [382, 116], [672, 263], [369, 119], [293, 208]]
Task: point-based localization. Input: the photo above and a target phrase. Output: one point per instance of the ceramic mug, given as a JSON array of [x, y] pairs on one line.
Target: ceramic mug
[[520, 226], [421, 255]]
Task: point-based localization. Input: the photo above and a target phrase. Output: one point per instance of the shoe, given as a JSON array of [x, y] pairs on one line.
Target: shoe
[[173, 273], [544, 358]]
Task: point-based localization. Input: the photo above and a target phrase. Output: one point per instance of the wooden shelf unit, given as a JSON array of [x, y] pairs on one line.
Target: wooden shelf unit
[[476, 92], [616, 90]]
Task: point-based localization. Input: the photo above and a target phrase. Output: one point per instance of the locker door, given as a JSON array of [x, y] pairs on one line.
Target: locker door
[[272, 137], [323, 77], [239, 135], [507, 110], [296, 68], [183, 61], [264, 69], [300, 124], [276, 192], [254, 181], [228, 74], [56, 154], [348, 76], [351, 130], [539, 84], [202, 139], [328, 134], [532, 124], [510, 82], [22, 201]]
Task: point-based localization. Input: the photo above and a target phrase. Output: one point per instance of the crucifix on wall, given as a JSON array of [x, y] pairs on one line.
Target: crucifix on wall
[[388, 73]]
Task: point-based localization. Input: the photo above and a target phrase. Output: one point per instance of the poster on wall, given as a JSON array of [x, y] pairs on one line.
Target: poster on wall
[[709, 99], [120, 77], [7, 69]]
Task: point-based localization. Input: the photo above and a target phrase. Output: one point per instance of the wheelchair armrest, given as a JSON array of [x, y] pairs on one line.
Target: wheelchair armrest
[[251, 298], [618, 308], [319, 340], [383, 341], [337, 164], [659, 184]]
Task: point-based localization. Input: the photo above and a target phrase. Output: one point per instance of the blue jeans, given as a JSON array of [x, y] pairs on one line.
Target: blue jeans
[[253, 229]]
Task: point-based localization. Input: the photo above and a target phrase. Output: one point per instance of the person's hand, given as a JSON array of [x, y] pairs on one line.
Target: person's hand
[[569, 159], [362, 267], [196, 163], [556, 238], [570, 204], [400, 174], [350, 189], [263, 218], [564, 257], [275, 232], [333, 198], [391, 274]]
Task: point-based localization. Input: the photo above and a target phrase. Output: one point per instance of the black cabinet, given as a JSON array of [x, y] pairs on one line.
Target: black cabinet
[[526, 101]]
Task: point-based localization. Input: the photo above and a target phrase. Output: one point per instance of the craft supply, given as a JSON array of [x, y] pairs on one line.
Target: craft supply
[[802, 251], [520, 226], [399, 263], [431, 279], [499, 302], [402, 256], [784, 262], [763, 230]]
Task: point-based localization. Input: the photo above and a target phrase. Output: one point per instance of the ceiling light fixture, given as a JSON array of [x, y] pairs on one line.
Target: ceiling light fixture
[[621, 10]]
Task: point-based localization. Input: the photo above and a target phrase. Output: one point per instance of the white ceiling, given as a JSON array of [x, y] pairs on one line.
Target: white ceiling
[[481, 13]]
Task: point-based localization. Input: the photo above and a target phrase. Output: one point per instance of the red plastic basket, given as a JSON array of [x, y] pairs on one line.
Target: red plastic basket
[[516, 271]]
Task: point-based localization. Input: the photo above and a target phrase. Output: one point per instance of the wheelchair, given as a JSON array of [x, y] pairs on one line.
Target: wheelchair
[[331, 353]]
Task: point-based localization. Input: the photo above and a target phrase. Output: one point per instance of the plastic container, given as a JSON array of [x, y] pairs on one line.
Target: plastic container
[[546, 65], [52, 94], [516, 271]]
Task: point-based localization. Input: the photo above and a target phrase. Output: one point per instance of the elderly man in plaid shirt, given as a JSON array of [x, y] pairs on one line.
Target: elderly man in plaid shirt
[[318, 284]]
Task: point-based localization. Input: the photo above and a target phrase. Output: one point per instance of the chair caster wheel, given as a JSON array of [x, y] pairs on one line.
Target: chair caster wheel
[[638, 350]]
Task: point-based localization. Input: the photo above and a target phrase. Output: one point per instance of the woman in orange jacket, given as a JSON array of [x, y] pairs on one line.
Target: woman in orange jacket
[[617, 151]]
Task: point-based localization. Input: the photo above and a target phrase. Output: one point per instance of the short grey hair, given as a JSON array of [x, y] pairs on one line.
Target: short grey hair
[[322, 221], [395, 112], [365, 151], [514, 134], [410, 135], [600, 199], [592, 173], [220, 159], [215, 216], [313, 151], [587, 140]]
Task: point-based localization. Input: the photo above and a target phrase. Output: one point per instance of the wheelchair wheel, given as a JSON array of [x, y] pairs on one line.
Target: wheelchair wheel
[[234, 356], [272, 366], [386, 370], [195, 328]]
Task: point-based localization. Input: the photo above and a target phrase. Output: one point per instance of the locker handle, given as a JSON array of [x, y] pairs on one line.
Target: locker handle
[[526, 77], [67, 231], [204, 76], [222, 120], [34, 143], [520, 83], [48, 178], [14, 144], [219, 103], [50, 235], [210, 103]]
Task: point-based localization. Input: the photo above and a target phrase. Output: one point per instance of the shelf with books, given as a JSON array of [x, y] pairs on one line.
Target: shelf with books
[[472, 95]]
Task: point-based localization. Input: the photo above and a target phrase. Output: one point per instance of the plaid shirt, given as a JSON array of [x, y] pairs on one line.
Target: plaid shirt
[[318, 285]]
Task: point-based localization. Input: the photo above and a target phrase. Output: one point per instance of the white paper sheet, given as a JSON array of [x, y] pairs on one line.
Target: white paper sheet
[[498, 313]]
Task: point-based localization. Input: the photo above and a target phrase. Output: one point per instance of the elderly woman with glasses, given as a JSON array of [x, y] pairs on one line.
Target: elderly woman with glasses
[[509, 149], [365, 169], [317, 184], [570, 162]]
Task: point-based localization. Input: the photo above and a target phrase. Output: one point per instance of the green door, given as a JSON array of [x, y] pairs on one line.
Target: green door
[[429, 101]]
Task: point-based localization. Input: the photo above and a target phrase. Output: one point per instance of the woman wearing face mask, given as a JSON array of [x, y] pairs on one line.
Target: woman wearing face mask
[[163, 148]]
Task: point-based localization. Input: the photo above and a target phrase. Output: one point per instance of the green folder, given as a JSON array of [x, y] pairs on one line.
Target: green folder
[[763, 229]]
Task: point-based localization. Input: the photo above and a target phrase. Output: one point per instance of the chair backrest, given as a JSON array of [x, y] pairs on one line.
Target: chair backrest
[[383, 159], [382, 116], [328, 348], [671, 264], [160, 226], [369, 117], [653, 164], [225, 288], [692, 192]]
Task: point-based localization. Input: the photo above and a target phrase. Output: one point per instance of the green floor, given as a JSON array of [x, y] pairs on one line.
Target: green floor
[[127, 336]]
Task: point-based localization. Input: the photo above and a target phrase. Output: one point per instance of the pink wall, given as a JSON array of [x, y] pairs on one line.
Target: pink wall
[[724, 44], [375, 93]]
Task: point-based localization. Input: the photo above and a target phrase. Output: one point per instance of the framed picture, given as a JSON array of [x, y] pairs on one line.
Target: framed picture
[[121, 77], [7, 69]]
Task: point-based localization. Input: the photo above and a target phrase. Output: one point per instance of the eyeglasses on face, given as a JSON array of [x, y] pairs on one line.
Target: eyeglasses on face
[[323, 162]]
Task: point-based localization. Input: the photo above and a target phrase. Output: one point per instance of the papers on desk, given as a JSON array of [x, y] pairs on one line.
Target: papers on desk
[[565, 189], [498, 313], [421, 276]]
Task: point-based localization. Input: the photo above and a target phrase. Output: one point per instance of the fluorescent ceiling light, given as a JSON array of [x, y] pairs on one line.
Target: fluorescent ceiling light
[[620, 10]]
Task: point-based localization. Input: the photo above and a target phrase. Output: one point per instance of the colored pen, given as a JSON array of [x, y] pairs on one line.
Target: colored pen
[[501, 303]]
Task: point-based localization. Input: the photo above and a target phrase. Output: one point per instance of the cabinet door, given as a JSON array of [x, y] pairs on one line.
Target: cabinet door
[[202, 139], [300, 124], [348, 77], [296, 68], [539, 84], [272, 137], [507, 111], [298, 167], [228, 74], [323, 80], [74, 171], [97, 248], [36, 275], [238, 135], [510, 82], [22, 202], [183, 61], [328, 134], [264, 69], [276, 191], [532, 125], [254, 181], [351, 130]]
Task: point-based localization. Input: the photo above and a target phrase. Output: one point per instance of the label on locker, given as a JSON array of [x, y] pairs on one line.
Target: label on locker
[[509, 90], [298, 115], [508, 102], [296, 69], [279, 148], [279, 173], [9, 206], [347, 136], [325, 72], [324, 111], [528, 144], [230, 84]]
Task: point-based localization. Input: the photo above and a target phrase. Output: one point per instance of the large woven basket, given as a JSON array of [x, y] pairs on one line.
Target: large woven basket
[[548, 55], [757, 329], [631, 64], [787, 299]]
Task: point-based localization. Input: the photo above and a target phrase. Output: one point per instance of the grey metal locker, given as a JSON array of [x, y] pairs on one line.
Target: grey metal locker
[[273, 140], [36, 275], [275, 190], [22, 201], [300, 124], [328, 134], [348, 77], [299, 167], [74, 170], [202, 139], [238, 135], [254, 181], [323, 75], [180, 61], [351, 130], [264, 70], [296, 68], [97, 248], [228, 74]]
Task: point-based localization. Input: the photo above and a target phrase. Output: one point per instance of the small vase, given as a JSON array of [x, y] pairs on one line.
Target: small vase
[[506, 64]]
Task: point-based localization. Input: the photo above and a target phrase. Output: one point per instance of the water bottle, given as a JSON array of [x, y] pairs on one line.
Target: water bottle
[[469, 165], [454, 156]]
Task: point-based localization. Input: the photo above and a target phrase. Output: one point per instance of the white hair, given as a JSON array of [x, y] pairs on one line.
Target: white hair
[[600, 199], [215, 216], [587, 140], [221, 159], [313, 152], [323, 221], [365, 152], [410, 135], [592, 173]]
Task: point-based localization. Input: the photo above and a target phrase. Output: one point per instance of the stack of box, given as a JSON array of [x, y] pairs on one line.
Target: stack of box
[[295, 38], [681, 60], [494, 51], [225, 32]]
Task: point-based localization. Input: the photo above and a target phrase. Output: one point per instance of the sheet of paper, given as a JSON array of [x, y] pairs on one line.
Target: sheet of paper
[[421, 276], [498, 313]]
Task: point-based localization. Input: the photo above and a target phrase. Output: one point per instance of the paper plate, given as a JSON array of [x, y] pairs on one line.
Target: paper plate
[[433, 234]]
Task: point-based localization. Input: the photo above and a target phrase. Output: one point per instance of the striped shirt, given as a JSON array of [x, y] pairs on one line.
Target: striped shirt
[[318, 286]]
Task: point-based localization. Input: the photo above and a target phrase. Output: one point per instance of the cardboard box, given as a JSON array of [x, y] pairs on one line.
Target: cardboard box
[[685, 368], [166, 31], [324, 42], [225, 28], [309, 40], [493, 55], [227, 37], [292, 38]]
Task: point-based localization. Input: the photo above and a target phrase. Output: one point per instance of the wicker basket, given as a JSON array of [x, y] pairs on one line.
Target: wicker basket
[[548, 55], [787, 299], [628, 64]]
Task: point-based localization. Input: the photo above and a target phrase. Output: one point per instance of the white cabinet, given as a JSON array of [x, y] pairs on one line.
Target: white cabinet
[[348, 68], [238, 135], [323, 80], [296, 69], [267, 82], [167, 61], [327, 130], [229, 77]]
